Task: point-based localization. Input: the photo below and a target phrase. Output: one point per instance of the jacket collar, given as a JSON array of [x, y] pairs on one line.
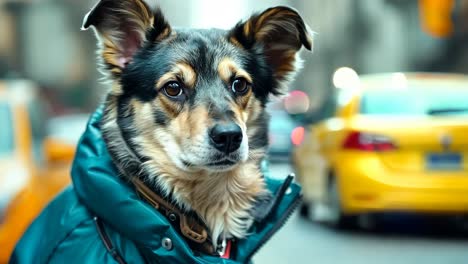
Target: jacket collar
[[189, 225]]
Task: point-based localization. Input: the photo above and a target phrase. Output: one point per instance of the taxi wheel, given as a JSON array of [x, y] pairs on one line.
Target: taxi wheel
[[337, 218]]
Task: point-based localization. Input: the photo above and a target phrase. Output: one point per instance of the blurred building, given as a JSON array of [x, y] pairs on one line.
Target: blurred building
[[373, 36], [41, 40]]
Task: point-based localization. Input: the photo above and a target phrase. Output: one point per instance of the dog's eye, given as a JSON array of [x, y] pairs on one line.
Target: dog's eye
[[240, 86], [173, 89]]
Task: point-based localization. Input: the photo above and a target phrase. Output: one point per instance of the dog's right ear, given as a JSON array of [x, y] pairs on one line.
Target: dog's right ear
[[122, 27]]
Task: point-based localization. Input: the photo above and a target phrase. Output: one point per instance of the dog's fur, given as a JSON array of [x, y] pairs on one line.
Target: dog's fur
[[164, 140]]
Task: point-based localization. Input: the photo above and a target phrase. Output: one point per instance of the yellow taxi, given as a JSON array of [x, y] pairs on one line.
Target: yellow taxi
[[32, 169], [397, 143]]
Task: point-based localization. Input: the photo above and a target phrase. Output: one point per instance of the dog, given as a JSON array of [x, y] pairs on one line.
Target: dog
[[185, 114]]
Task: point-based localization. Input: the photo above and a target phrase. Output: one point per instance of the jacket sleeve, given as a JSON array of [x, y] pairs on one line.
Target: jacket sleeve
[[82, 245], [50, 229], [65, 232]]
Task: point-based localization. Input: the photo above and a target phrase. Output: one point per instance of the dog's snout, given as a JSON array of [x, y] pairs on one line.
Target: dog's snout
[[226, 137]]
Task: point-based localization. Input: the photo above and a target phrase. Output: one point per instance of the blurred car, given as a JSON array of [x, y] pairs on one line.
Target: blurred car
[[398, 143], [281, 135], [33, 168]]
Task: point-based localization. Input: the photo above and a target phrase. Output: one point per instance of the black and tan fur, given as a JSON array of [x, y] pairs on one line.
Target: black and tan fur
[[164, 140]]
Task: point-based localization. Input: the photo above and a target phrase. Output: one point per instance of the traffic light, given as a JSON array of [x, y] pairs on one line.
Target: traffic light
[[436, 17]]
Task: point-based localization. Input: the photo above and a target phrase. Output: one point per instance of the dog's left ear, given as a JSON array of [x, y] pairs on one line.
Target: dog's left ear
[[278, 33], [122, 27]]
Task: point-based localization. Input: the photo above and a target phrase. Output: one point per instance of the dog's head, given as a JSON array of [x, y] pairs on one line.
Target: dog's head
[[197, 94]]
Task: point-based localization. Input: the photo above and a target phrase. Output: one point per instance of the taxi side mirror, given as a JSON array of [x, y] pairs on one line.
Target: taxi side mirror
[[58, 151]]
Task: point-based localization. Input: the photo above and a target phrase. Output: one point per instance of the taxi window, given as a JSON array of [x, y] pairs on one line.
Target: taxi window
[[415, 101], [6, 131]]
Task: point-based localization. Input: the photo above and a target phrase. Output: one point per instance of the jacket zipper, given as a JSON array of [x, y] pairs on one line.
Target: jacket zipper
[[107, 242], [278, 225]]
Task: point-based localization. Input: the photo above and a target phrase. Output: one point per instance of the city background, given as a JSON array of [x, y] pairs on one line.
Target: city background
[[41, 42]]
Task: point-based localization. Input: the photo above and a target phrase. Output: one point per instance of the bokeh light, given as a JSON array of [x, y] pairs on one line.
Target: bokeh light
[[346, 78], [296, 102], [297, 135]]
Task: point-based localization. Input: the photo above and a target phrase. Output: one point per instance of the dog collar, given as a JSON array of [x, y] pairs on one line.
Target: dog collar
[[188, 224]]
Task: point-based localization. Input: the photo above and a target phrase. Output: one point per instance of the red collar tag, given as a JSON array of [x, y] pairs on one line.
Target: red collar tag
[[227, 250]]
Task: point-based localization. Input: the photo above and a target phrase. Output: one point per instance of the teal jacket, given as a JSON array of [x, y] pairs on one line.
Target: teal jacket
[[67, 230]]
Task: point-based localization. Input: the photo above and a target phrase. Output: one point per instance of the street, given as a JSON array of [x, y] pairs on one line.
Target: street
[[301, 241]]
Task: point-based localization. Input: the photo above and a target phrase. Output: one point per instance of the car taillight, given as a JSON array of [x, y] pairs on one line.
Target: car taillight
[[297, 135], [368, 142]]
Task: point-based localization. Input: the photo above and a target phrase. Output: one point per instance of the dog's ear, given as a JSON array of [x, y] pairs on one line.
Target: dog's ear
[[122, 27], [278, 33]]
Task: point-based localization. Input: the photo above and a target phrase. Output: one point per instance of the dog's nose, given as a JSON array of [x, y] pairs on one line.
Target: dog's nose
[[226, 137]]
